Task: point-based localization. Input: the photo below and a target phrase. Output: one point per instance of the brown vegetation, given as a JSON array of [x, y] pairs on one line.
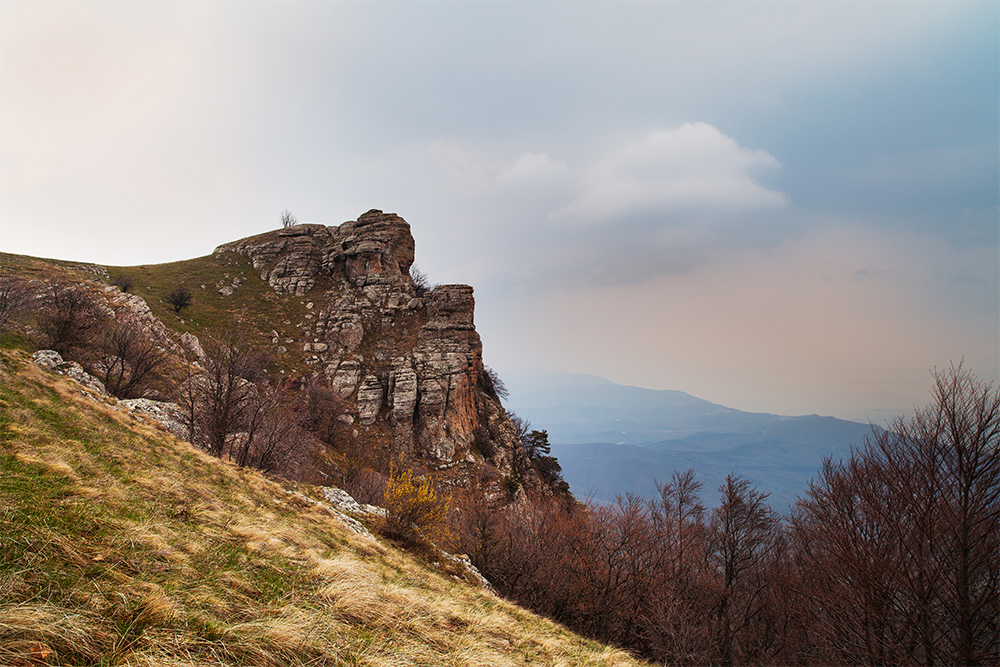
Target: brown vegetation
[[901, 543], [890, 559], [69, 320], [14, 296], [131, 361], [179, 298], [235, 411]]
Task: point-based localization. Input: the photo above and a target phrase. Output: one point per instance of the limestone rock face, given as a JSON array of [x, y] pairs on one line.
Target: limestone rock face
[[376, 249], [448, 361], [406, 362], [345, 376], [369, 400]]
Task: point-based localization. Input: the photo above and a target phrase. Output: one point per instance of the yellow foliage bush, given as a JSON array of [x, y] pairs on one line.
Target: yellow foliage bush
[[414, 509]]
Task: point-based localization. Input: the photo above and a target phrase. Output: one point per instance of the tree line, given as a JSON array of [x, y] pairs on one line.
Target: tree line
[[891, 558]]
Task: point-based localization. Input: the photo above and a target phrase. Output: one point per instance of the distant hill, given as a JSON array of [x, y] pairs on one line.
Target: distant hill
[[614, 439]]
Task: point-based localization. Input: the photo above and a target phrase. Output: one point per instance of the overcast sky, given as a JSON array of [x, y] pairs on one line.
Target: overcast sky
[[784, 207]]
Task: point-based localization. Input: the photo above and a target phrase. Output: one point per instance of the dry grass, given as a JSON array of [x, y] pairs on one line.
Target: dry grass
[[120, 545]]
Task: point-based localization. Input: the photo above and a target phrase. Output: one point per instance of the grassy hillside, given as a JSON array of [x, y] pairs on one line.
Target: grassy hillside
[[252, 303], [121, 545]]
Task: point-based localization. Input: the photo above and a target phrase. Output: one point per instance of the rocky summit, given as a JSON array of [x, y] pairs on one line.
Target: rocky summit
[[406, 359]]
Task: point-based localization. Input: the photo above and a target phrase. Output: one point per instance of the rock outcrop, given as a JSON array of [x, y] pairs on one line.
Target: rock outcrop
[[406, 361], [53, 361], [169, 415], [375, 250]]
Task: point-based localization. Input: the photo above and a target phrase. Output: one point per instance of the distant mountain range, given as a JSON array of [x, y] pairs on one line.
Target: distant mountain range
[[614, 439]]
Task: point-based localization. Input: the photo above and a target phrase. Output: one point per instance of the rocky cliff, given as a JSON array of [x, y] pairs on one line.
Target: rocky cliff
[[406, 360]]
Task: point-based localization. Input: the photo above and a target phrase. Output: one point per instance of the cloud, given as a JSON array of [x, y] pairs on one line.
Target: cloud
[[532, 168], [660, 203], [690, 169]]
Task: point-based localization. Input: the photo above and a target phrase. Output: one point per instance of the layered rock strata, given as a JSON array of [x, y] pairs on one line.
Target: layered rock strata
[[405, 360]]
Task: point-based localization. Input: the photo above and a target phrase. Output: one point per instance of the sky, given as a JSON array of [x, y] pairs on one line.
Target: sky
[[781, 207]]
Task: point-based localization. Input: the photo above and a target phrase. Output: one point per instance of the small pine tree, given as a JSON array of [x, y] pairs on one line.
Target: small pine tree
[[536, 443]]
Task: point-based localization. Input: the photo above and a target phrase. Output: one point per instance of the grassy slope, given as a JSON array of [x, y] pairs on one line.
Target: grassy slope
[[253, 303], [121, 545]]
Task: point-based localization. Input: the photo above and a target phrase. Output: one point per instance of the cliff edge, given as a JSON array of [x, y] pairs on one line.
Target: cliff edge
[[406, 360]]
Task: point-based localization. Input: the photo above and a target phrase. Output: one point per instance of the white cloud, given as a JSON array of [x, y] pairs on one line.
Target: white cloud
[[532, 167], [692, 168]]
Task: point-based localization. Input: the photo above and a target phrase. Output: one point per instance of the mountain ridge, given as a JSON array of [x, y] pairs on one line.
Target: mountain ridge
[[613, 439]]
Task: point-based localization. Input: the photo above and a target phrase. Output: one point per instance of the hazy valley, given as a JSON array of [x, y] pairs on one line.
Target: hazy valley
[[613, 439]]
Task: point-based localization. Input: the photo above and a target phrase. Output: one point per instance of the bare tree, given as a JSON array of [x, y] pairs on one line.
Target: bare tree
[[676, 621], [742, 535], [69, 320], [14, 297], [902, 539], [179, 298], [272, 431], [287, 219], [223, 399], [132, 360]]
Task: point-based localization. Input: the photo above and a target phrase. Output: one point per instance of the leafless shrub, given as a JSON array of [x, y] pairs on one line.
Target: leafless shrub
[[273, 430], [323, 407], [421, 284], [234, 411], [69, 320], [222, 400], [523, 426], [122, 281], [14, 297], [131, 361], [287, 219], [367, 486], [492, 383]]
